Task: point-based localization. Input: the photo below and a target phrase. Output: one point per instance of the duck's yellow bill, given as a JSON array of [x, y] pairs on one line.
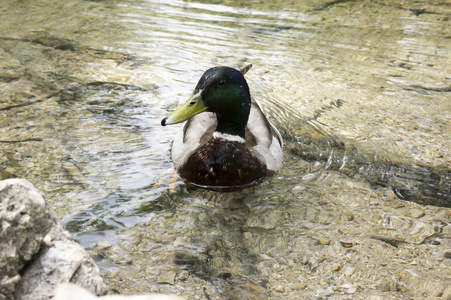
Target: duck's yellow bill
[[192, 107]]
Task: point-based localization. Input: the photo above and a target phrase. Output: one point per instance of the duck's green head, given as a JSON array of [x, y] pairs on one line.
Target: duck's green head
[[223, 91]]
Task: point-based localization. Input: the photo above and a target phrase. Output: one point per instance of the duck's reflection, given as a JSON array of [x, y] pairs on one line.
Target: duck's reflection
[[226, 261]]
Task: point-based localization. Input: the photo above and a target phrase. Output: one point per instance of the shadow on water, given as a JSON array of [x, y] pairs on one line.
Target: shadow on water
[[313, 142], [416, 183]]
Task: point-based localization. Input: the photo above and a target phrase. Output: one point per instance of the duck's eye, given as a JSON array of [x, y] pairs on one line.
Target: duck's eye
[[222, 82]]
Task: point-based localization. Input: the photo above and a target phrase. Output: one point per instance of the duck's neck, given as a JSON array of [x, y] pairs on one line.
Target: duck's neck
[[231, 128], [233, 113]]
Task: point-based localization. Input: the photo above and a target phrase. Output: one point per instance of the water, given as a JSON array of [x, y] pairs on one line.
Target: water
[[359, 90]]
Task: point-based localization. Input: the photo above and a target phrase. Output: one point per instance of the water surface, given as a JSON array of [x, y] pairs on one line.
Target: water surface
[[359, 90]]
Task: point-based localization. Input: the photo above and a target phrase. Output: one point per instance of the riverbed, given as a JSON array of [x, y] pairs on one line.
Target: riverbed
[[359, 90]]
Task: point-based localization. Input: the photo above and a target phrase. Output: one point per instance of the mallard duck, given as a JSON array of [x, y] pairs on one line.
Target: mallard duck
[[228, 143]]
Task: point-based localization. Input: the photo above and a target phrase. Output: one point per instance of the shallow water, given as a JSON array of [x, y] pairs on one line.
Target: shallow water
[[360, 91]]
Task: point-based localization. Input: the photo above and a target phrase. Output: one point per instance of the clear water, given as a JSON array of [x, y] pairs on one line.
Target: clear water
[[360, 91]]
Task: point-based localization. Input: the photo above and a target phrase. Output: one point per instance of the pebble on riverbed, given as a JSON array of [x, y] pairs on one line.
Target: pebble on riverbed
[[167, 277]]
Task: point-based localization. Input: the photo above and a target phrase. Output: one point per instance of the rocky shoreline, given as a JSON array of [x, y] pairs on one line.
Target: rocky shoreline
[[37, 255]]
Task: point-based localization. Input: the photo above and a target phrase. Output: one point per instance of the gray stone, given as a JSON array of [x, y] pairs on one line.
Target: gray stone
[[24, 221], [61, 261], [36, 254]]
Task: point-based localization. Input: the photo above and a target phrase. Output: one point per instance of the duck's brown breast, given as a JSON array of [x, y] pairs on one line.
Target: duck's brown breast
[[223, 164]]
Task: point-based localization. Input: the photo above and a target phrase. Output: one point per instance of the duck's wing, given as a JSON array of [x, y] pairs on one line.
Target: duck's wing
[[197, 131], [263, 139]]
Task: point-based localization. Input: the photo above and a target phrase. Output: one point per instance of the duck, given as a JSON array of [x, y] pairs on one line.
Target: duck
[[227, 143]]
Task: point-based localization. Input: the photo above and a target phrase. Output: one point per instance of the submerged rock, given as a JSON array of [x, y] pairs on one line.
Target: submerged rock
[[36, 254], [167, 277]]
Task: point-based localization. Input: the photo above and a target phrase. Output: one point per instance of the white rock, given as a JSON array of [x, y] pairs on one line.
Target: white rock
[[30, 236], [73, 292]]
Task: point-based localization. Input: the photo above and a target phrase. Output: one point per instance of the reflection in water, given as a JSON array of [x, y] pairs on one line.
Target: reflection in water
[[226, 260]]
